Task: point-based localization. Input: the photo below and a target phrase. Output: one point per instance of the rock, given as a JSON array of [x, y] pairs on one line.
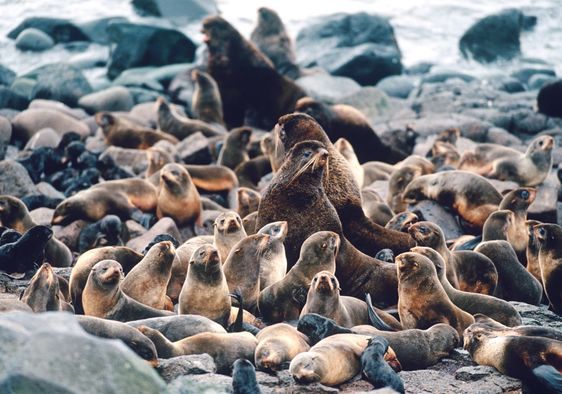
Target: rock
[[195, 149], [32, 39], [496, 36], [419, 68], [195, 384], [326, 87], [373, 103], [537, 81], [135, 229], [133, 159], [358, 46], [397, 86], [143, 45], [537, 315], [43, 138], [445, 75], [30, 121], [196, 364], [544, 207], [15, 180], [42, 216], [549, 99], [165, 225], [468, 374], [23, 86], [48, 190], [191, 10], [60, 82], [69, 234], [527, 121], [62, 351], [116, 98], [11, 99], [5, 135], [60, 30], [96, 30], [7, 76], [431, 211], [76, 113], [524, 74], [507, 84], [500, 136]]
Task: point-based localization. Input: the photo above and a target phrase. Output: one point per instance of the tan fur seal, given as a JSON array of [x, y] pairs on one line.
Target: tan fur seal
[[178, 198], [444, 155], [148, 280], [157, 158], [180, 127], [486, 323], [472, 303], [333, 360], [14, 215], [206, 103], [124, 197], [125, 134], [518, 201], [248, 201], [283, 301], [465, 270], [515, 283], [532, 252], [212, 178], [12, 304], [549, 238], [43, 292], [422, 300], [269, 145], [471, 196], [235, 148], [528, 169], [205, 291], [344, 147], [103, 297], [223, 348], [273, 265], [228, 231], [127, 257], [405, 172], [481, 158], [278, 344]]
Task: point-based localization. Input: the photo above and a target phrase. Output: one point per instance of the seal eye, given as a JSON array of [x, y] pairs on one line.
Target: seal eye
[[541, 143], [423, 230], [324, 245], [222, 221], [307, 153], [524, 194], [542, 232], [237, 251], [282, 134]]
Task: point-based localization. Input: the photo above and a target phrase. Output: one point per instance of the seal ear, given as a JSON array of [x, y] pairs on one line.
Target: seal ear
[[504, 192], [105, 119]]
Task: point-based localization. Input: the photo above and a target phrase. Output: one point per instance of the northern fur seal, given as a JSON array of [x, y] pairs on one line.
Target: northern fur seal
[[518, 201], [549, 237], [179, 126], [228, 231], [206, 103], [273, 264], [376, 370], [279, 344], [235, 148], [178, 198], [44, 293], [27, 252]]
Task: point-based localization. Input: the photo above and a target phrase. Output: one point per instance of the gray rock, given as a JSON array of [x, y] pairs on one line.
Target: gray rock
[[60, 30], [15, 180], [7, 76], [76, 113], [43, 138], [326, 87], [141, 95], [32, 39], [544, 207], [23, 86], [62, 351], [373, 103], [132, 159], [433, 212], [201, 384], [196, 364], [397, 86], [468, 374], [42, 216], [115, 98], [537, 81], [500, 136], [5, 135], [419, 68], [69, 234], [12, 99], [191, 10], [165, 225], [135, 229], [445, 75], [537, 315], [195, 149], [526, 73], [96, 30], [30, 121]]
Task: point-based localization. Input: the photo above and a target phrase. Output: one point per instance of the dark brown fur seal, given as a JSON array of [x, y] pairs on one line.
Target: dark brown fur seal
[[126, 134], [422, 300], [549, 238], [206, 103], [532, 252], [246, 78], [178, 198], [44, 293], [251, 172], [103, 297], [344, 121], [235, 148], [278, 344]]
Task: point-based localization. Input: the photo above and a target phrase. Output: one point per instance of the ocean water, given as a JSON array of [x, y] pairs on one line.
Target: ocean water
[[426, 30]]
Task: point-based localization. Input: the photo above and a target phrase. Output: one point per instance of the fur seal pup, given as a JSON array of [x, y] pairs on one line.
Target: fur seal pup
[[471, 196], [103, 297], [206, 104], [333, 360], [127, 257], [248, 201], [225, 349], [375, 208], [528, 169], [181, 127], [472, 303], [148, 280], [465, 270], [283, 301], [244, 379], [518, 201], [344, 121], [273, 265], [130, 336], [272, 39], [109, 231], [405, 172], [178, 327], [251, 172], [247, 79], [228, 231], [532, 252], [27, 252], [416, 349], [205, 291], [444, 155], [296, 195], [126, 134], [278, 344], [15, 215], [549, 238], [43, 292], [515, 283], [344, 147], [536, 361], [402, 221], [235, 148], [178, 198], [422, 300], [376, 370], [500, 225], [340, 187]]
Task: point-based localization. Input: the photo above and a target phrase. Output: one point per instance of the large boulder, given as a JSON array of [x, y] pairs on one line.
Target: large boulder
[[50, 352], [28, 122], [398, 86], [496, 37], [96, 30], [34, 40], [116, 98], [358, 46], [549, 99], [190, 10], [5, 135], [11, 99], [143, 45], [7, 76], [15, 180], [59, 82], [328, 88], [59, 29]]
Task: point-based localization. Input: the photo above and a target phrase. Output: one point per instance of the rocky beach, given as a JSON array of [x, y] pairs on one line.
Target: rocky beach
[[161, 187]]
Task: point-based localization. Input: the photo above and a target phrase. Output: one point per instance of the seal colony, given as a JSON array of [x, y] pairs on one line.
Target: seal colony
[[274, 246]]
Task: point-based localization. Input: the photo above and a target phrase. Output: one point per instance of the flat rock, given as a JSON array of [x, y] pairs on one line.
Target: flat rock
[[7, 76], [42, 216], [196, 364], [190, 10], [69, 234], [115, 98], [165, 225], [133, 159], [61, 82], [374, 104], [326, 87], [32, 39], [195, 149], [433, 212], [399, 86], [196, 384], [5, 135], [48, 138], [15, 180], [537, 315], [28, 122], [59, 29]]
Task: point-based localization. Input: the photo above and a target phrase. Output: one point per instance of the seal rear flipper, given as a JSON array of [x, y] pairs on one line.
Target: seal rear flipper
[[375, 319], [549, 378], [237, 326]]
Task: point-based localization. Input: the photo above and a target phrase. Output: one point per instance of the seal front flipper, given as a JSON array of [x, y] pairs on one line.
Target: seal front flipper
[[375, 320], [299, 295], [549, 378], [146, 220]]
